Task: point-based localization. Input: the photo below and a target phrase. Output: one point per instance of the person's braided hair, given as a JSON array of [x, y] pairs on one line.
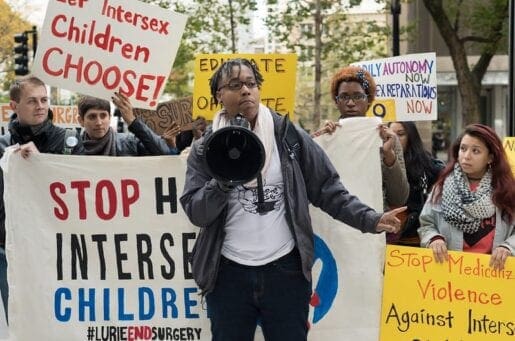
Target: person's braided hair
[[226, 70]]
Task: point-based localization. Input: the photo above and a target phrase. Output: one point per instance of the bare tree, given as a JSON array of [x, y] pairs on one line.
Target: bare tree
[[468, 25]]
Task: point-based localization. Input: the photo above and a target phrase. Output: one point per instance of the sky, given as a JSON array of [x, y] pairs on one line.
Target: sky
[[38, 16], [36, 9]]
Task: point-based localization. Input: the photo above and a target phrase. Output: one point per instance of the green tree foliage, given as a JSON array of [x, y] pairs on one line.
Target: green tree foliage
[[472, 27], [211, 28], [11, 23], [326, 38]]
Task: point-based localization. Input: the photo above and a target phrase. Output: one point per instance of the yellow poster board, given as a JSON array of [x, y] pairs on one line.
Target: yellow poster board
[[509, 148], [462, 299], [277, 92], [384, 109]]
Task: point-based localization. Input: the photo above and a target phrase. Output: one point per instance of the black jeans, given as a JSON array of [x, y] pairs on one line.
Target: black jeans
[[276, 295]]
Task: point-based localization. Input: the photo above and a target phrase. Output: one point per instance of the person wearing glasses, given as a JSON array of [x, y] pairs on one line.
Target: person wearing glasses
[[255, 265], [353, 90]]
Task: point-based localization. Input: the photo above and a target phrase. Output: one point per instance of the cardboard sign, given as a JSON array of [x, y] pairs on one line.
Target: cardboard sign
[[64, 116], [277, 92], [461, 299], [178, 110], [99, 47], [406, 87]]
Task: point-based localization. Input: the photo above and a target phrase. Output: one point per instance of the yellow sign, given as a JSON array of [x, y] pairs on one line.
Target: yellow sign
[[277, 92], [384, 109], [462, 299], [509, 148]]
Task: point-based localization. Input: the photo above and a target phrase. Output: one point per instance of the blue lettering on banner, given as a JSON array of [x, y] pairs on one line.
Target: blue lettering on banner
[[399, 90], [83, 304]]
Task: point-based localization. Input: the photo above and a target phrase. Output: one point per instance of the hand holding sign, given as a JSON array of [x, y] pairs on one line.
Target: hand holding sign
[[123, 103], [96, 47]]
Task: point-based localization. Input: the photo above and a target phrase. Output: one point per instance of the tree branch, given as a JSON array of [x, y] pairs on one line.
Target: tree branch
[[475, 39]]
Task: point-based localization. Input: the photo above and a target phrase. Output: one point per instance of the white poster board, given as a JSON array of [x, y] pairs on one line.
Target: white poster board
[[406, 87], [99, 47]]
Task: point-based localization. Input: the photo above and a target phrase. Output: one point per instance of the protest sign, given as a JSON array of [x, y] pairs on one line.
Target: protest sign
[[64, 116], [98, 248], [406, 87], [347, 294], [277, 91], [460, 299], [108, 250], [177, 110], [509, 148], [99, 47]]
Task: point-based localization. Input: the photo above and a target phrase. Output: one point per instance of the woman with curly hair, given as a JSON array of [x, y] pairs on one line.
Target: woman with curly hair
[[472, 204], [353, 90]]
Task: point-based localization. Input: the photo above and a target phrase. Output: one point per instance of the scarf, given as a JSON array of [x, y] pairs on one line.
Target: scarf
[[462, 208], [104, 146], [264, 129], [25, 133]]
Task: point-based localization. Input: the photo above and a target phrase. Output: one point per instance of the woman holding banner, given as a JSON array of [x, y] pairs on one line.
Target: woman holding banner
[[253, 259], [471, 206], [353, 90]]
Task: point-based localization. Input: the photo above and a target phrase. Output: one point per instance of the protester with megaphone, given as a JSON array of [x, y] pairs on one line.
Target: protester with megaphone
[[254, 253]]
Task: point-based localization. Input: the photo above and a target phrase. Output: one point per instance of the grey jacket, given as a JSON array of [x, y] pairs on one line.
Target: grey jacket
[[309, 177], [433, 224], [395, 181]]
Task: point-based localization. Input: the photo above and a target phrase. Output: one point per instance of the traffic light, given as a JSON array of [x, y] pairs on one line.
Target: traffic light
[[21, 58]]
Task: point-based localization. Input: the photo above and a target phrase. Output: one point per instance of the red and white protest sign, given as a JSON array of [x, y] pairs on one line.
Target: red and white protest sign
[[99, 47]]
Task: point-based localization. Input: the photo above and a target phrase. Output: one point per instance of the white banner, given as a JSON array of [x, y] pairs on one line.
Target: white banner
[[97, 248]]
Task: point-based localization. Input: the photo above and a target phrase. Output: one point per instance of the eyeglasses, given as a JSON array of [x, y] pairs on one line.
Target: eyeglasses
[[355, 97], [236, 84]]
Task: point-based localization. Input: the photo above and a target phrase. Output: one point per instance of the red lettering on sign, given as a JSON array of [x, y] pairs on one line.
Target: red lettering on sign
[[105, 198]]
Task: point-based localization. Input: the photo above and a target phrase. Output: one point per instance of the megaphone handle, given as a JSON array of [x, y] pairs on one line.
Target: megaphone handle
[[260, 193], [261, 204]]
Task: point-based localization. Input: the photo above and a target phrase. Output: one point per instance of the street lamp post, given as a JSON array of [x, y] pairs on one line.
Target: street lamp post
[[396, 10]]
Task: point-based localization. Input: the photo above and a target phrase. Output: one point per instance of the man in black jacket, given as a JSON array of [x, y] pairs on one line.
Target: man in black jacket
[[31, 125]]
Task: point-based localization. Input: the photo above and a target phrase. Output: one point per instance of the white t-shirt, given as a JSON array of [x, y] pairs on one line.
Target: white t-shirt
[[252, 238]]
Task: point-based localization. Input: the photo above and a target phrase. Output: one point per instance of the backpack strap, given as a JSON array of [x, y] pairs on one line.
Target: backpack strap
[[292, 140]]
